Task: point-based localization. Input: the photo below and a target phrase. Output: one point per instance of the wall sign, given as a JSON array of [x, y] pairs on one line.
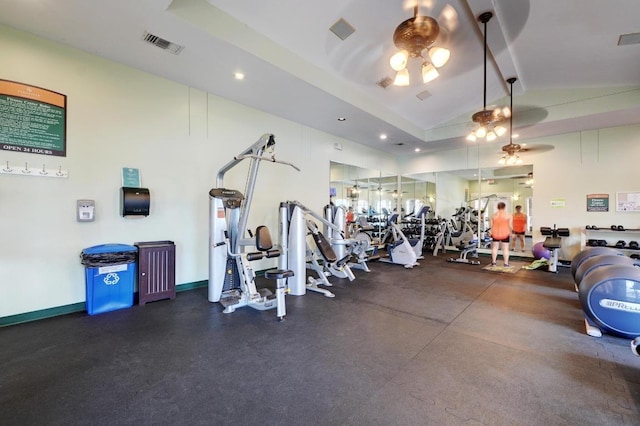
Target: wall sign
[[597, 202], [558, 203], [32, 119], [628, 202], [131, 177]]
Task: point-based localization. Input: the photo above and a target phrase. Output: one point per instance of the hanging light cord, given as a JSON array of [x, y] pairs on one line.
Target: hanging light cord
[[484, 99], [511, 81]]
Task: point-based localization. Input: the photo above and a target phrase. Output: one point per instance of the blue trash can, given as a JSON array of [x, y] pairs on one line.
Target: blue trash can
[[110, 274]]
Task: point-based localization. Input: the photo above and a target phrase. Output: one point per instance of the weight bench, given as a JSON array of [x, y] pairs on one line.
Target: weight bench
[[553, 243]]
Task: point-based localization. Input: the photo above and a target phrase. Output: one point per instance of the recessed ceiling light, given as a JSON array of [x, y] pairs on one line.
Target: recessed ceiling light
[[383, 136], [342, 119], [238, 76], [417, 150]]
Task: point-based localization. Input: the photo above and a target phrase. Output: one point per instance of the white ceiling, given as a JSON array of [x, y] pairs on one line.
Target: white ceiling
[[571, 73]]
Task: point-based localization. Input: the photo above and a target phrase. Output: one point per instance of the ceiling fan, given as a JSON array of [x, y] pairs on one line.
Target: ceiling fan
[[511, 150], [395, 193]]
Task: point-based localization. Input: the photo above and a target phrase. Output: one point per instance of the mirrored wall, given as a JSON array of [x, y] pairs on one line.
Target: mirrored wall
[[377, 194], [367, 191], [479, 191]]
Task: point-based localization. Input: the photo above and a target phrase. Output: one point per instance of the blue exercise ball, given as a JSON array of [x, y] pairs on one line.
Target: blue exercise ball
[[539, 252]]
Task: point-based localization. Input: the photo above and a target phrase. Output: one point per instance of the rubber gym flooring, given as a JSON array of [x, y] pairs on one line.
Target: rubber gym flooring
[[442, 344]]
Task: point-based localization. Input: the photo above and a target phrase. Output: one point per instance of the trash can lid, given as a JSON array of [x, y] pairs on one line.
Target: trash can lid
[[109, 248]]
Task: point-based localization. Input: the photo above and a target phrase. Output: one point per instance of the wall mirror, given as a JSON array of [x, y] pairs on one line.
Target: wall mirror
[[480, 190], [367, 191]]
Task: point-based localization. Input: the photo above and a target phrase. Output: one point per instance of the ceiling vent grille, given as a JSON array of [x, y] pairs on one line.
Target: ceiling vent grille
[[342, 29], [162, 43], [423, 95], [626, 39], [385, 82]]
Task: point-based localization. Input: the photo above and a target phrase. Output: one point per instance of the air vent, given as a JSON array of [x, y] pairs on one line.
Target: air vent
[[385, 82], [423, 95], [342, 29], [626, 39], [162, 43]]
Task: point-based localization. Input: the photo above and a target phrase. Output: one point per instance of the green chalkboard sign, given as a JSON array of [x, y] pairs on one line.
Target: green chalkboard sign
[[597, 202], [32, 119]]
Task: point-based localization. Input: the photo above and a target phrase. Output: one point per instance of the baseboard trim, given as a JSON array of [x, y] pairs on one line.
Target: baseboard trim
[[76, 307], [191, 286]]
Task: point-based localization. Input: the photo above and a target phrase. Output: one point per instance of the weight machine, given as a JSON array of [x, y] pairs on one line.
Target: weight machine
[[299, 255], [231, 274], [359, 250], [450, 236]]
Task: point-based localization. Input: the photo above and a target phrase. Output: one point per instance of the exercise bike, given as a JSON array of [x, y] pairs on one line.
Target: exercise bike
[[400, 251]]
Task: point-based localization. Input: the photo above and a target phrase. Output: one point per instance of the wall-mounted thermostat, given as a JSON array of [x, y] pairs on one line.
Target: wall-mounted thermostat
[[86, 210]]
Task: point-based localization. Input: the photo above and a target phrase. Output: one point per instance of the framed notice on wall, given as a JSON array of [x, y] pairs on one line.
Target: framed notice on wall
[[597, 202], [628, 202], [32, 119]]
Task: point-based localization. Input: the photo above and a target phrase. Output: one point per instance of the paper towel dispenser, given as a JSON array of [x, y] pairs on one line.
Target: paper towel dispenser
[[134, 201]]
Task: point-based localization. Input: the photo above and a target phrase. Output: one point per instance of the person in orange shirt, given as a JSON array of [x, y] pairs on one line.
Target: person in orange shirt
[[350, 218], [501, 225], [519, 228]]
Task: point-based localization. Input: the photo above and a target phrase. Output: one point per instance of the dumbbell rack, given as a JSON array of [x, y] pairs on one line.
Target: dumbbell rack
[[612, 237]]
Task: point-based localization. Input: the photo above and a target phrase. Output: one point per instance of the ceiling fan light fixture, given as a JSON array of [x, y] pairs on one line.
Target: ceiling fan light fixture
[[429, 72], [402, 78], [491, 136], [398, 61], [471, 137], [414, 38], [439, 56], [481, 132], [500, 130]]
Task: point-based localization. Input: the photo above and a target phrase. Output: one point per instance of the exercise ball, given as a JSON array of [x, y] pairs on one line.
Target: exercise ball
[[539, 252]]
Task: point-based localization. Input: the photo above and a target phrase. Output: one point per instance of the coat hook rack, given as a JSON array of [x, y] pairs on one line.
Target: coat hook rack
[[26, 171]]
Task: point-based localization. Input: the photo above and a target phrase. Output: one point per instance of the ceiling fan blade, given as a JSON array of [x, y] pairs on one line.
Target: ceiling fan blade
[[537, 148], [448, 18]]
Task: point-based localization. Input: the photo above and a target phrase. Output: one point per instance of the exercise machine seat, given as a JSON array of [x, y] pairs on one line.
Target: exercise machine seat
[[552, 243], [324, 247], [277, 274]]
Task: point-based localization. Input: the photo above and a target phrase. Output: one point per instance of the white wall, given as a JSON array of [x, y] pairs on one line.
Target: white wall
[[177, 136], [450, 194]]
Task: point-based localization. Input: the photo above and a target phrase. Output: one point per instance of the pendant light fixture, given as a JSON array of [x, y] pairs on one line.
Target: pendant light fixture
[[415, 37], [489, 121]]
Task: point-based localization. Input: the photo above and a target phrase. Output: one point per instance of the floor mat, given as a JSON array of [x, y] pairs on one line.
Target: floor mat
[[511, 269]]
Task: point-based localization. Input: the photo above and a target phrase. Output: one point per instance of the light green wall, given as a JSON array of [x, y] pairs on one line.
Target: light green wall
[[450, 194], [178, 137]]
